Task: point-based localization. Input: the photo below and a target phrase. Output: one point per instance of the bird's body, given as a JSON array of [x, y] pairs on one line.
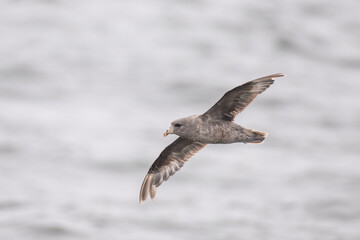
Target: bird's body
[[200, 129], [215, 126]]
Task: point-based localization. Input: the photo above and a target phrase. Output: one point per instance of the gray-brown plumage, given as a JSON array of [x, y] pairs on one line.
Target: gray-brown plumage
[[214, 126]]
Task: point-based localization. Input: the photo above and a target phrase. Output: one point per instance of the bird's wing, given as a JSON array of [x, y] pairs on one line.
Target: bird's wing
[[237, 99], [171, 159]]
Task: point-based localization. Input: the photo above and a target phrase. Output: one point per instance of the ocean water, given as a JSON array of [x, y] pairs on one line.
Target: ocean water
[[88, 87]]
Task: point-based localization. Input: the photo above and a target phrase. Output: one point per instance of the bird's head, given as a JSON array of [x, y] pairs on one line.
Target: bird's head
[[180, 127], [176, 127]]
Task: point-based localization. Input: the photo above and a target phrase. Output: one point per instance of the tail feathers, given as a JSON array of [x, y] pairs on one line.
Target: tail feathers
[[255, 137]]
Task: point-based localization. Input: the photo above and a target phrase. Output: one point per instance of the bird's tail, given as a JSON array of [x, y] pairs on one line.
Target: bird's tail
[[254, 136]]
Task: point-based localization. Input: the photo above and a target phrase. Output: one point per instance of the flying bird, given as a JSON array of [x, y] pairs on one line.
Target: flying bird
[[213, 127]]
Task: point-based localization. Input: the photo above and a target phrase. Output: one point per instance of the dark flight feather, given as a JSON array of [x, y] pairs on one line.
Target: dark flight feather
[[170, 160], [237, 99]]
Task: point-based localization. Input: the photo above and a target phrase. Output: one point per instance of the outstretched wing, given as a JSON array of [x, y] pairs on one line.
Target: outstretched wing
[[237, 99], [171, 159]]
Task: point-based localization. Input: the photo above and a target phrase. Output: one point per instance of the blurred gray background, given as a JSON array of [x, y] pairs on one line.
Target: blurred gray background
[[88, 87]]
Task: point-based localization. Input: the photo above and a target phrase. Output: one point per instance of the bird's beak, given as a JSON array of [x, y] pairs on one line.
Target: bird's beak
[[169, 131]]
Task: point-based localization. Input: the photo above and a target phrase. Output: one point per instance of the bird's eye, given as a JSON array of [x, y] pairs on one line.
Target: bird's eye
[[177, 125]]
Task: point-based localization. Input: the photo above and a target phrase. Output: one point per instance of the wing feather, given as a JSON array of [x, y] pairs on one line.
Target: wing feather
[[170, 160], [237, 99]]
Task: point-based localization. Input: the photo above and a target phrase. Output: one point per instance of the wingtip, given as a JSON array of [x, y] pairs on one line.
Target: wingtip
[[147, 188], [270, 77], [144, 191], [152, 191], [281, 74], [142, 198], [276, 75]]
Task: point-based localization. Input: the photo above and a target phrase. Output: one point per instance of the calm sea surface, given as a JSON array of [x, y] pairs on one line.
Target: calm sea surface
[[88, 87]]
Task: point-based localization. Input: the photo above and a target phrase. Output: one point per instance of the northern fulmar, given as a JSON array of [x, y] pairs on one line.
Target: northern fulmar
[[214, 126]]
